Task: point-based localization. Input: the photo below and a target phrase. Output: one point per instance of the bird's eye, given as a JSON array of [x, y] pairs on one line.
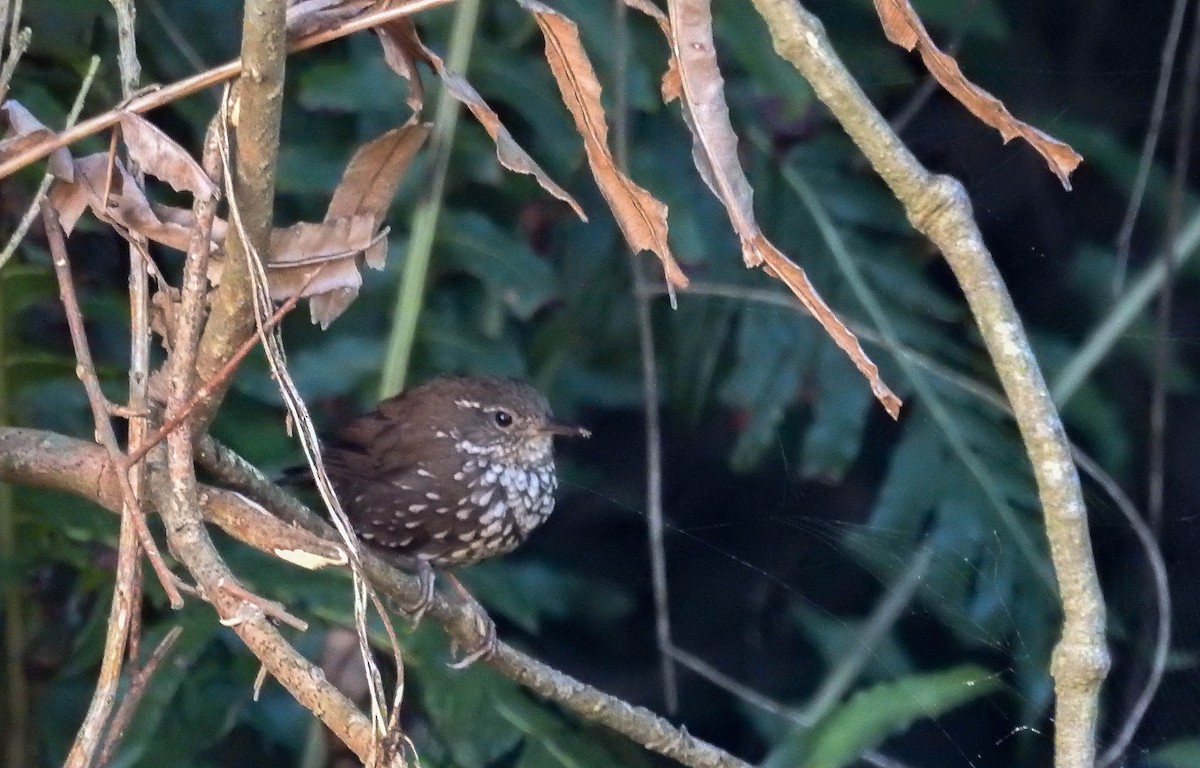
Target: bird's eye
[[503, 418]]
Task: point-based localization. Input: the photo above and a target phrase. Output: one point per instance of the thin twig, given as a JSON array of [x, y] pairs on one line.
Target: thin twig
[[650, 396], [220, 378], [123, 608], [190, 85], [1164, 344], [137, 688], [99, 403], [1166, 66], [139, 300]]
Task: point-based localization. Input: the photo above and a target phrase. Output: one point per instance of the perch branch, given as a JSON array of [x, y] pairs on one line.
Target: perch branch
[[939, 208], [33, 457]]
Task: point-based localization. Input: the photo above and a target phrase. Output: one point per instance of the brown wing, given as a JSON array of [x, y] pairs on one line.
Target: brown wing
[[387, 468]]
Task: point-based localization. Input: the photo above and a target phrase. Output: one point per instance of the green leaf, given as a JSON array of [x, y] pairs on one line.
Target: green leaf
[[873, 715], [351, 86], [1184, 753], [551, 742], [840, 409], [473, 243], [772, 351], [463, 704]]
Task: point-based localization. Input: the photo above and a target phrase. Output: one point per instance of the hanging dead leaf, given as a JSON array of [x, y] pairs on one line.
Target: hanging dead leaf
[[403, 48], [24, 131], [125, 206], [779, 265], [301, 249], [641, 217], [671, 85], [158, 155], [350, 231], [373, 174], [715, 153], [904, 28]]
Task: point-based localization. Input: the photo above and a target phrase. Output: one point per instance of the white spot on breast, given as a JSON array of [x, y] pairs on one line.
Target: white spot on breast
[[482, 498], [494, 512], [466, 535], [417, 507], [432, 496], [424, 472]]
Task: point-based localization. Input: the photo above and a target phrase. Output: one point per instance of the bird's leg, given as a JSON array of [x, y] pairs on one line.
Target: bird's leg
[[426, 579], [483, 624]]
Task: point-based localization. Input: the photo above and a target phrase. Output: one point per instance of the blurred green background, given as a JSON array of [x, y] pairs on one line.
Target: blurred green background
[[794, 506]]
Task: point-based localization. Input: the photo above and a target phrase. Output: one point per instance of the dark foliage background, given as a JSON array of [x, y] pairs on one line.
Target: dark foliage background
[[794, 504]]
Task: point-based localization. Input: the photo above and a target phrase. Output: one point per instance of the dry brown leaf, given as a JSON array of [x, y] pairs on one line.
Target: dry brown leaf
[[350, 230], [126, 206], [159, 156], [301, 249], [24, 131], [671, 85], [715, 153], [402, 48], [641, 217], [308, 16], [779, 265], [904, 28], [373, 174]]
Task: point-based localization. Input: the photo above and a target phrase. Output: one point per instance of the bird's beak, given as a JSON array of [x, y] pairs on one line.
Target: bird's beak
[[555, 427]]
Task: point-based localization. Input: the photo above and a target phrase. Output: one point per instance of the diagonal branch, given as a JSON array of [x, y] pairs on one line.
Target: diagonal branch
[[45, 459]]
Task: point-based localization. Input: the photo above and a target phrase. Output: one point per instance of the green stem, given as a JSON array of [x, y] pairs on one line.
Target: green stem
[[425, 216], [17, 692]]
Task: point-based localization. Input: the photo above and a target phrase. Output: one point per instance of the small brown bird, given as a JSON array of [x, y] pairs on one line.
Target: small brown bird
[[451, 472]]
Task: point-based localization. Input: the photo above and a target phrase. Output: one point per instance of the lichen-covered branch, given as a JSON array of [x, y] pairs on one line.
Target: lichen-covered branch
[[939, 208]]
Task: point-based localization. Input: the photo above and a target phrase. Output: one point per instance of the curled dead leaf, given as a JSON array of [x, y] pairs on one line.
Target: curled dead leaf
[[904, 28], [641, 217], [125, 205], [715, 153], [24, 131], [158, 155], [402, 49], [671, 85]]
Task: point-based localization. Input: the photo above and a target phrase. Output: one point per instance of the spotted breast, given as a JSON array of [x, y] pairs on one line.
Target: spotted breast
[[449, 473]]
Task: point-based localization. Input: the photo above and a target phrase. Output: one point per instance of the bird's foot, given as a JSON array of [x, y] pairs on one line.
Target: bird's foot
[[426, 579], [488, 645], [485, 628]]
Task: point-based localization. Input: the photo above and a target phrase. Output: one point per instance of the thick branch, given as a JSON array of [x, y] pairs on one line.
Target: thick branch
[[259, 107], [939, 208], [31, 457]]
